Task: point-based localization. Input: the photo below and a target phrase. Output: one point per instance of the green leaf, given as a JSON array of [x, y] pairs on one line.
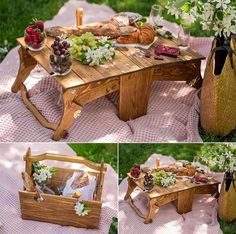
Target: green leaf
[[180, 3], [186, 7], [220, 15]]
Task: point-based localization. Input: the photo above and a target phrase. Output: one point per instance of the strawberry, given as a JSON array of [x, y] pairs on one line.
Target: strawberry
[[40, 25], [28, 39], [29, 30]]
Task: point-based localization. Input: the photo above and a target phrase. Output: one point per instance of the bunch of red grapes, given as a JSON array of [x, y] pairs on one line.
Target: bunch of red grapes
[[60, 58], [35, 35], [135, 171], [148, 182]]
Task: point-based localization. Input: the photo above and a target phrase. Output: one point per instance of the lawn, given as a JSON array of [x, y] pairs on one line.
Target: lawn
[[97, 152], [16, 15], [131, 154]]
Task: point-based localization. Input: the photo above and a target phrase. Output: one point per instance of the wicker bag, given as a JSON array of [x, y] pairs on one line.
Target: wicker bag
[[218, 95], [227, 200]]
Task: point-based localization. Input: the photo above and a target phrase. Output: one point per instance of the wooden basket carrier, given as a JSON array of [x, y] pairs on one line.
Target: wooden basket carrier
[[60, 209]]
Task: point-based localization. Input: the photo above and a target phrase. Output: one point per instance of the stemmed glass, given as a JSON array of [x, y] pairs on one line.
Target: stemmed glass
[[155, 16]]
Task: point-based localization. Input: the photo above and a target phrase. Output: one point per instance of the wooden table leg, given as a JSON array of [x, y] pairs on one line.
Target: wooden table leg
[[131, 187], [196, 79], [185, 201], [154, 208], [134, 94], [71, 110], [27, 64]]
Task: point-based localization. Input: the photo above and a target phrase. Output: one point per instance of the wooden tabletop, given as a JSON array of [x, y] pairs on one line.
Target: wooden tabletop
[[127, 60], [180, 185]]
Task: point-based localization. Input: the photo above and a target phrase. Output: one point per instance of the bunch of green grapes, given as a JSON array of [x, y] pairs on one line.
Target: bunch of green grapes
[[158, 176], [81, 44], [163, 178]]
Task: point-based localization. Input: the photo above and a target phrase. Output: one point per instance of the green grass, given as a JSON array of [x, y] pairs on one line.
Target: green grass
[[131, 154], [16, 15], [208, 137], [97, 152]]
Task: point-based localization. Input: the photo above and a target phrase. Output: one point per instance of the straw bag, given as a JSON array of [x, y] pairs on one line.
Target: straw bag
[[218, 94], [227, 199]]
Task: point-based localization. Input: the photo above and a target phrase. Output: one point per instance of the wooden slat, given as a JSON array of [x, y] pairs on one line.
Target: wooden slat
[[58, 209]]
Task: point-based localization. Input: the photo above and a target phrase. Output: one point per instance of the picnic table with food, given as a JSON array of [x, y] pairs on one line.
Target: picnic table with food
[[124, 54], [166, 183]]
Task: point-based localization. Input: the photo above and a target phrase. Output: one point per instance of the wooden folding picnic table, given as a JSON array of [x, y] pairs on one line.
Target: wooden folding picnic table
[[129, 73], [182, 192]]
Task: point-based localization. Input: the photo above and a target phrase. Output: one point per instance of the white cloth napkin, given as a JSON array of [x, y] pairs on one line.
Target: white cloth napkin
[[86, 191]]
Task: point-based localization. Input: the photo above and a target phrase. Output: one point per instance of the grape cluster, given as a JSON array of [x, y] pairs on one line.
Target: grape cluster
[[60, 60], [82, 44], [135, 171], [148, 181]]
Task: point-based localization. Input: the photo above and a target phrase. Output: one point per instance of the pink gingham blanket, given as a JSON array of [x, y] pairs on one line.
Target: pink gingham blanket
[[11, 166], [201, 220], [172, 115]]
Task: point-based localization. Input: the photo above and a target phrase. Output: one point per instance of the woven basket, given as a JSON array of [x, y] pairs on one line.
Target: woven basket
[[218, 96], [60, 209], [227, 203]]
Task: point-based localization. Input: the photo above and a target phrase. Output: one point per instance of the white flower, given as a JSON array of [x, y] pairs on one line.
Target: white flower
[[188, 18], [173, 11], [103, 39], [80, 209], [222, 4], [42, 176]]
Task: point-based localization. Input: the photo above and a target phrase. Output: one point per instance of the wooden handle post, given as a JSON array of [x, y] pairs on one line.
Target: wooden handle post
[[28, 163], [100, 181], [79, 16]]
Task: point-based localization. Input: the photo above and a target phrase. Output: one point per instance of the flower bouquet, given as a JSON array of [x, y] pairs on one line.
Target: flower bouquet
[[91, 51]]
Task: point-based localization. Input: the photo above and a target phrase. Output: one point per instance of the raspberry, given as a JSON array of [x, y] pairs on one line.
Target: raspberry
[[29, 30], [28, 39], [40, 25]]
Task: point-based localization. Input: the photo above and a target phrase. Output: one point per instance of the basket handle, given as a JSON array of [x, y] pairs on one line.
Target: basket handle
[[29, 160]]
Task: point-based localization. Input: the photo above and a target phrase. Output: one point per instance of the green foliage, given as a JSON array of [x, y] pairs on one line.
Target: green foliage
[[16, 15], [114, 226], [219, 157], [97, 152], [228, 228]]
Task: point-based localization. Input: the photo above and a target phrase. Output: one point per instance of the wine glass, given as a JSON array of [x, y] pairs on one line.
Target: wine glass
[[183, 39], [155, 16]]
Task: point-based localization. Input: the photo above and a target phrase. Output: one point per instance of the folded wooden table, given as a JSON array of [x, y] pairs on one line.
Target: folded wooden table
[[183, 192], [129, 73]]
